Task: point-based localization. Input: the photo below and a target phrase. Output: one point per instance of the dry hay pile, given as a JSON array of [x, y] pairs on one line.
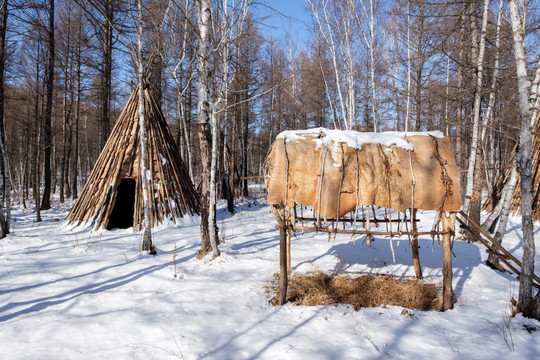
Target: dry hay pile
[[318, 288]]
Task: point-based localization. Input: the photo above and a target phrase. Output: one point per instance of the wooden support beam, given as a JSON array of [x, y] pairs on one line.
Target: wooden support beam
[[368, 232], [259, 177], [414, 247], [283, 280], [374, 220], [288, 237], [504, 257]]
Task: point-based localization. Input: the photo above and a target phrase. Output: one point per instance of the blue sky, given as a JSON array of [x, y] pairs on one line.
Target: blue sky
[[288, 15]]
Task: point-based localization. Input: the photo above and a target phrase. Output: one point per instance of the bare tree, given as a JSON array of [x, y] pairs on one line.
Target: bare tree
[[106, 71], [5, 188], [328, 26], [179, 65], [47, 138], [143, 163], [475, 140], [530, 306], [204, 107]]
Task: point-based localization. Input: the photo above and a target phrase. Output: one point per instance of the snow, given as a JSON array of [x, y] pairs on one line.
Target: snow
[[77, 294], [163, 160], [355, 139]]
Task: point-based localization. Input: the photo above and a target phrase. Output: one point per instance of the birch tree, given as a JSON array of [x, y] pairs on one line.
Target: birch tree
[[508, 191], [472, 165], [209, 234], [529, 306], [329, 29], [179, 65], [369, 39], [145, 174], [408, 112]]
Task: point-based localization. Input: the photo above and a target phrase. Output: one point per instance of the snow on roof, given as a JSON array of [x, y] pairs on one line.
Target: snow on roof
[[355, 139]]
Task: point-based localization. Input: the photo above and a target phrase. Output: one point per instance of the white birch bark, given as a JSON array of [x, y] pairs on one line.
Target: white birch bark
[[504, 211], [332, 47], [447, 96], [525, 151], [205, 114], [337, 123], [476, 111], [213, 166], [408, 108], [143, 168], [370, 43], [175, 67], [491, 102]]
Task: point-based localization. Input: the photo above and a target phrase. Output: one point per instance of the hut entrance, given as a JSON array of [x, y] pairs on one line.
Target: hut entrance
[[124, 205]]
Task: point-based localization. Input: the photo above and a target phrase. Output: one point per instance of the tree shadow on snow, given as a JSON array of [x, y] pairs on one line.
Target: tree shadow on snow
[[263, 241], [249, 205], [230, 348], [43, 303]]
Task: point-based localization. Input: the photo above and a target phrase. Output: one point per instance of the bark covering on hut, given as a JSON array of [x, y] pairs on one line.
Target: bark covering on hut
[[112, 196]]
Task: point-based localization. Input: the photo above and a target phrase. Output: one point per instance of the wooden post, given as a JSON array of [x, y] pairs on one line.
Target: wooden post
[[448, 222], [288, 253], [282, 265], [290, 219], [414, 246], [279, 213]]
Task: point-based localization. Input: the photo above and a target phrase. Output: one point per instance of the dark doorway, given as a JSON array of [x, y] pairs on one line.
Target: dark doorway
[[124, 205]]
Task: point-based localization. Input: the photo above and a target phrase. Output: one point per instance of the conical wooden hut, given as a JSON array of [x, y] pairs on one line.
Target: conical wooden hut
[[112, 196]]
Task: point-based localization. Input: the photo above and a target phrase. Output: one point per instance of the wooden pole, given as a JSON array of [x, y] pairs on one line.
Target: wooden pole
[[448, 222], [503, 257], [282, 265], [414, 246], [288, 238], [392, 234], [279, 213]]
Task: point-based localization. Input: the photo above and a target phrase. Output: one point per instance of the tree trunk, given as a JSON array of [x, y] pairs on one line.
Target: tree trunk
[[65, 123], [47, 139], [333, 48], [524, 163], [491, 101], [5, 202], [74, 181], [472, 190], [36, 158], [143, 163], [204, 109], [245, 133], [459, 89], [506, 201], [106, 72], [408, 107]]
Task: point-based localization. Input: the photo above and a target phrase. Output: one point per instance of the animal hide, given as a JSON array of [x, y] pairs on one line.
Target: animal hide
[[336, 176]]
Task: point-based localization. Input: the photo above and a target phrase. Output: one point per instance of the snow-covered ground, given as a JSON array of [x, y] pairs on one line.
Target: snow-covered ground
[[76, 294]]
